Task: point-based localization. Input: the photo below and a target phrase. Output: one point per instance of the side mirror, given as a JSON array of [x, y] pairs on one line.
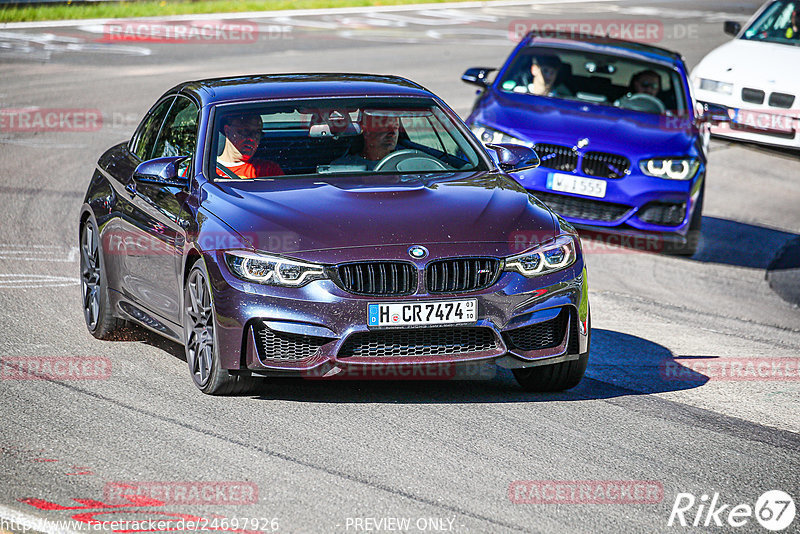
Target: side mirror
[[477, 76], [161, 171], [714, 114], [515, 157], [732, 27]]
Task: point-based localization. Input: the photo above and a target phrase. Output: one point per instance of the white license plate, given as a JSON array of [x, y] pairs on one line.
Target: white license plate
[[579, 185], [759, 120], [422, 313]]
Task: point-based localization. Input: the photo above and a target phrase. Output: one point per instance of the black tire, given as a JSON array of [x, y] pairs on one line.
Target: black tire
[[693, 235], [202, 349], [555, 377], [97, 312]]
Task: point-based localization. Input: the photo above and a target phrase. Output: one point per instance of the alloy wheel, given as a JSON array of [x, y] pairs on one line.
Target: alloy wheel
[[90, 276], [200, 345]]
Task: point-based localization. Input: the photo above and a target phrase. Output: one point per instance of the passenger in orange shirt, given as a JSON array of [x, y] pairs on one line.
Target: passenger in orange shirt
[[242, 136]]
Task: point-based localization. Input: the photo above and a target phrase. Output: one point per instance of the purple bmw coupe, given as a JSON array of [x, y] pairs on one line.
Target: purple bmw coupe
[[323, 225]]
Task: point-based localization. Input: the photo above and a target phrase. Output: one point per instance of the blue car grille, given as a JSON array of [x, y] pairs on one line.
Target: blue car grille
[[663, 213], [605, 165], [378, 278], [461, 274], [419, 342], [582, 208], [560, 158]]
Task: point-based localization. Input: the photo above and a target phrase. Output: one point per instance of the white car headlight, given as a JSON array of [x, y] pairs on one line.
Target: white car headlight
[[272, 270], [670, 168], [490, 136], [715, 86], [544, 259]]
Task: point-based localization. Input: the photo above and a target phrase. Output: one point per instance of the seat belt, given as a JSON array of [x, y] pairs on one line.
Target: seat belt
[[227, 171]]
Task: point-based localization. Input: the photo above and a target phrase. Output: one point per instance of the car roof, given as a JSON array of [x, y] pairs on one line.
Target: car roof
[[602, 44], [301, 85]]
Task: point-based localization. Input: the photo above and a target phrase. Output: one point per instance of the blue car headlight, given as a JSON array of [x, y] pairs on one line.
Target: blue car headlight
[[272, 270], [489, 136], [544, 259], [670, 168]]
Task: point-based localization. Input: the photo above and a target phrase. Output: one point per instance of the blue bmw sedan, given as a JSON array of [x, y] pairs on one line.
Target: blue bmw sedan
[[623, 145]]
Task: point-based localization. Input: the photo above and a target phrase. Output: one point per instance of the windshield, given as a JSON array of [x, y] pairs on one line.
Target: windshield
[[777, 24], [597, 78], [338, 136]]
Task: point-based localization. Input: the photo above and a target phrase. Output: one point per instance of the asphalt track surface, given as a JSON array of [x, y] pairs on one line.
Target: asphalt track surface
[[347, 456]]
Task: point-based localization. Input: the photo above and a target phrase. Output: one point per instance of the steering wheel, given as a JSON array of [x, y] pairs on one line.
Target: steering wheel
[[642, 102], [409, 160]]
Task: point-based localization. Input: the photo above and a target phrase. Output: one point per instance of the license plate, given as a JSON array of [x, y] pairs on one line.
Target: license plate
[[422, 313], [579, 185], [759, 120]]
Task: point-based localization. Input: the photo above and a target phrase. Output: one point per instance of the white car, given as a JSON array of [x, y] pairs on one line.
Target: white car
[[756, 77]]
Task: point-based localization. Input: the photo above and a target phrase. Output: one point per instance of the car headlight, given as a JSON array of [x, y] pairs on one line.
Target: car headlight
[[272, 270], [670, 168], [490, 136], [544, 259], [715, 86]]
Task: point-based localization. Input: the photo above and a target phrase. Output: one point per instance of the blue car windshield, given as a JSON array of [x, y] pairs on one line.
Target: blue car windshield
[[338, 136], [596, 78], [778, 23]]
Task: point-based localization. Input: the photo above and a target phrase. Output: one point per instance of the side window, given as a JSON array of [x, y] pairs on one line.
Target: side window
[[178, 135], [146, 134]]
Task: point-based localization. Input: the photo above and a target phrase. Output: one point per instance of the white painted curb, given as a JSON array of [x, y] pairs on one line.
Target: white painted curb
[[295, 13]]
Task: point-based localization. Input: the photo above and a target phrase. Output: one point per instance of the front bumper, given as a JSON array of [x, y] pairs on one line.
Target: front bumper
[[628, 206], [313, 329]]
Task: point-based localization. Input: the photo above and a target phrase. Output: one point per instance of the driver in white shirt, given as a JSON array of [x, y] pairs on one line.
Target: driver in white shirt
[[380, 134]]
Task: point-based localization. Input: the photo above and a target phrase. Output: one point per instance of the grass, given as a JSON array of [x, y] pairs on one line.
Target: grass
[[150, 8]]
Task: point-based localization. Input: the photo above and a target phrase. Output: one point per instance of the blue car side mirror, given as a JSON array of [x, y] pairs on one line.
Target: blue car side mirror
[[515, 157], [161, 171], [477, 76]]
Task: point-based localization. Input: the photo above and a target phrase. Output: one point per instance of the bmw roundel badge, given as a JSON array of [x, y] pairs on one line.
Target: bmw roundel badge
[[417, 252]]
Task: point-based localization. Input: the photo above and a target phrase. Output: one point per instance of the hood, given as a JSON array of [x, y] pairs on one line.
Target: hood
[[769, 66], [608, 129], [302, 216]]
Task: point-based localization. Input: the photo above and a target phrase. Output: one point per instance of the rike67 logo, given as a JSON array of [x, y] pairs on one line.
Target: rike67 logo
[[774, 510]]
